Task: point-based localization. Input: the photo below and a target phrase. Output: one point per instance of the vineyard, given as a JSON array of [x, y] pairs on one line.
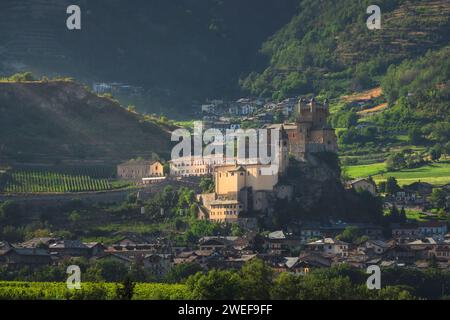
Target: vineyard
[[89, 291], [56, 179]]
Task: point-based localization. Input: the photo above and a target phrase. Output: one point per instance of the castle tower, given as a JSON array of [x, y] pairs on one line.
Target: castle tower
[[312, 133]]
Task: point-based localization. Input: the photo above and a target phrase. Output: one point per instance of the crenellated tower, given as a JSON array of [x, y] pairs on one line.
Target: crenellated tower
[[311, 132]]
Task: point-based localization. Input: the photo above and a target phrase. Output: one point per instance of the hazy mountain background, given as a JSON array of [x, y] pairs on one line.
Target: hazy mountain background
[[183, 51], [180, 50]]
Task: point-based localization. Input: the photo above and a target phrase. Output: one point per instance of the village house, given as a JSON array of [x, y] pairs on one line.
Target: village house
[[276, 243], [329, 247], [378, 247], [205, 258], [423, 243], [421, 189], [404, 197], [310, 231], [208, 108], [402, 254], [42, 242], [236, 262], [217, 243], [17, 258], [405, 230], [76, 248], [441, 252], [138, 169], [433, 228], [110, 256], [363, 185], [225, 211], [279, 243], [158, 264]]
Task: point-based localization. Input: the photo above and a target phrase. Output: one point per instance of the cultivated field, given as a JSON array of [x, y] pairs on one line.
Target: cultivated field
[[56, 180], [434, 173], [89, 291], [363, 171]]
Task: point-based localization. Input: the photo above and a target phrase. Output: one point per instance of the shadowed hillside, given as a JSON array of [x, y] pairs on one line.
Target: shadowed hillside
[[58, 120]]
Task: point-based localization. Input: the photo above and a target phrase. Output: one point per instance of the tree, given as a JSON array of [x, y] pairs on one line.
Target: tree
[[392, 186], [415, 135], [447, 148], [285, 287], [256, 280], [394, 214], [436, 152], [125, 290], [24, 76], [438, 198], [402, 215], [10, 212], [181, 272], [206, 184], [381, 187], [215, 285], [350, 234], [12, 234], [395, 293], [395, 161], [112, 271]]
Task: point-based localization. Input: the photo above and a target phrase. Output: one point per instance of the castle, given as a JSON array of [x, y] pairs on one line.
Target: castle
[[310, 133], [243, 188]]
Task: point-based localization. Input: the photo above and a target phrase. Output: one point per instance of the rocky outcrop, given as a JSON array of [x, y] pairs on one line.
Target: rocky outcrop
[[319, 194]]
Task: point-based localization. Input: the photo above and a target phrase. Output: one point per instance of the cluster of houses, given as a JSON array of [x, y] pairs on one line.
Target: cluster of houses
[[415, 195], [421, 245], [222, 114], [116, 88]]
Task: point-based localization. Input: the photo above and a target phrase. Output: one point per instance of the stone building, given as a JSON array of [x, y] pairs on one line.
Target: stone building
[[364, 185], [138, 169], [310, 133]]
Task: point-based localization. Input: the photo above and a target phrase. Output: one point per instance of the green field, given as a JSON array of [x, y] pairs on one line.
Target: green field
[[415, 214], [362, 171], [89, 291], [56, 180], [434, 173]]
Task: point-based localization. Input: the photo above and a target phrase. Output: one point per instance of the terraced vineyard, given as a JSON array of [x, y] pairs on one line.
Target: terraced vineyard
[[56, 180]]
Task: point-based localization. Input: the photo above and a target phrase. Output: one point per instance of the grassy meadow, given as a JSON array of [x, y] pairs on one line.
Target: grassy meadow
[[435, 173]]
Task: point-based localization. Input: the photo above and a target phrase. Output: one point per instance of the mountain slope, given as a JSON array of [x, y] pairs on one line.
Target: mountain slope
[[328, 49], [181, 48], [62, 120]]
